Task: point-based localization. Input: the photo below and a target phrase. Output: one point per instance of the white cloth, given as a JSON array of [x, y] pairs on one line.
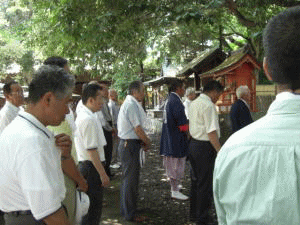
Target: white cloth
[[79, 106], [100, 117], [31, 177], [70, 118], [187, 104], [257, 171], [131, 115], [7, 114], [203, 118], [82, 206], [89, 134], [99, 114]]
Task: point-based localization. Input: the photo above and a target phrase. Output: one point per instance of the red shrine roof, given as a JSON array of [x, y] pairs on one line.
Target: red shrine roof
[[231, 63]]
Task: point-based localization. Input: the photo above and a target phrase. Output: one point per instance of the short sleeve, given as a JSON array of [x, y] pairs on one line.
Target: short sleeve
[[42, 183], [211, 119], [88, 130], [133, 116]]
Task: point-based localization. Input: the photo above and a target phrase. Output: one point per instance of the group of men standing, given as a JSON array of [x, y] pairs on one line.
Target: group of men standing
[[197, 139], [254, 177], [191, 130], [36, 151]]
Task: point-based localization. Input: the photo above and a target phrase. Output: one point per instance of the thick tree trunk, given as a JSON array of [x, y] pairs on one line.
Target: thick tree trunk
[[231, 5]]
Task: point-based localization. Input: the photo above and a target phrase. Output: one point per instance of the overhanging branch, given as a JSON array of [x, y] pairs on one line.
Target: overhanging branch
[[232, 7]]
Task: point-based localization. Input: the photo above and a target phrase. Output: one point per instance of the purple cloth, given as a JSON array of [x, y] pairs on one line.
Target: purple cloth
[[175, 170]]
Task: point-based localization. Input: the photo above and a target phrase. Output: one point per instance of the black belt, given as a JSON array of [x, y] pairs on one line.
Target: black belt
[[199, 140], [18, 213], [136, 140]]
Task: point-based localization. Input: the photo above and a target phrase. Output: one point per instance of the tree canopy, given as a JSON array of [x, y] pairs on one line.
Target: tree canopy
[[126, 40]]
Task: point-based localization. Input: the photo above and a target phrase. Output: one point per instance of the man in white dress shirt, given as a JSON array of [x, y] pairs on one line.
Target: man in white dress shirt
[[31, 180], [73, 178], [90, 142], [13, 93], [257, 171], [132, 138], [204, 145]]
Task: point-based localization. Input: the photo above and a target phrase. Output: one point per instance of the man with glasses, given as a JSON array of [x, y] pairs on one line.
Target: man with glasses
[[13, 93], [32, 186]]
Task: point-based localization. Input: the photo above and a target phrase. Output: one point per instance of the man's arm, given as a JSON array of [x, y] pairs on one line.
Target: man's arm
[[64, 143], [57, 218], [94, 156], [70, 169], [143, 136], [214, 140]]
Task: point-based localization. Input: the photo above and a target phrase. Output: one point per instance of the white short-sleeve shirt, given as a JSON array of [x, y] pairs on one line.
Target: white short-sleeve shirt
[[203, 118], [31, 177], [89, 134], [7, 114], [129, 118]]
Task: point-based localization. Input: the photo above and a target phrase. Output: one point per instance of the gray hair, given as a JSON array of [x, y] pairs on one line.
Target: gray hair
[[241, 91], [50, 78], [189, 91]]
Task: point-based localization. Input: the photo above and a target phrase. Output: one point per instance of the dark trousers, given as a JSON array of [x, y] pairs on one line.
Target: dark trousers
[[95, 193], [21, 219], [130, 158], [108, 151], [1, 218], [202, 159]]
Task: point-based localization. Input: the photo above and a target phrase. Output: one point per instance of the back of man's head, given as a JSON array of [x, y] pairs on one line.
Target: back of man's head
[[282, 47], [56, 61], [175, 84], [135, 86], [213, 85], [7, 87], [53, 79], [241, 91], [90, 91]]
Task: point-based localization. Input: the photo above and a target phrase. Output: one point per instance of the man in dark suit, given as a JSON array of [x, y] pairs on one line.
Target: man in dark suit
[[240, 111], [174, 143]]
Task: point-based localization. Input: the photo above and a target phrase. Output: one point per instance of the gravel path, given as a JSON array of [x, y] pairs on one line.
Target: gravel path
[[154, 195]]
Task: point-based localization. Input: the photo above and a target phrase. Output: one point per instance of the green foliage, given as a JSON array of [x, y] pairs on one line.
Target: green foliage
[[118, 40], [12, 49]]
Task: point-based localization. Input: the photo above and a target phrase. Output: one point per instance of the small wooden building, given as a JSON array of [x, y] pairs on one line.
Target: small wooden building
[[86, 78], [156, 92], [206, 61], [236, 70]]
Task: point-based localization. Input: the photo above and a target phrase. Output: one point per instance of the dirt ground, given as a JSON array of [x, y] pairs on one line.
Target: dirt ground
[[154, 195]]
